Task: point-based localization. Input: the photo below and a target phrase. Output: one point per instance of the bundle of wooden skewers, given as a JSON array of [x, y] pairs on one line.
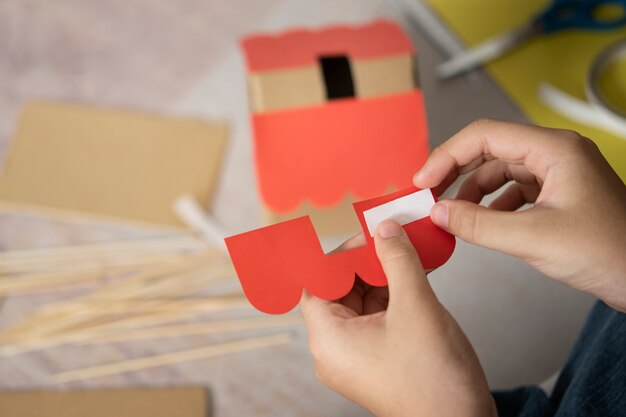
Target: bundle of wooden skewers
[[142, 289]]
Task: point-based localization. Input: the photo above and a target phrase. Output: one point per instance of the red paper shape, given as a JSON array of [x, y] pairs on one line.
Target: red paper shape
[[320, 154], [357, 147], [276, 263], [301, 48]]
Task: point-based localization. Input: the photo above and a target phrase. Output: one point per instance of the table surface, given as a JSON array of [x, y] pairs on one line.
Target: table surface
[[183, 58]]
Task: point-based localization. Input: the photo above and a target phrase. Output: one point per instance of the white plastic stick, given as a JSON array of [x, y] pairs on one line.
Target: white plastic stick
[[582, 111], [190, 212]]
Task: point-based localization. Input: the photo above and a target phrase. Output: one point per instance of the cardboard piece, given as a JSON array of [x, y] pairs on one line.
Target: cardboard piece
[[285, 89], [130, 402], [302, 87], [309, 154], [384, 76], [110, 163], [338, 219], [276, 263]]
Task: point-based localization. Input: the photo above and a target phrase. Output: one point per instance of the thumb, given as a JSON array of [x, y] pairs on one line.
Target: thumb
[[508, 232], [408, 285]]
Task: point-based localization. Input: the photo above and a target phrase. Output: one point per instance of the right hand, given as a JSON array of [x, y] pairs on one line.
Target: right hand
[[575, 232]]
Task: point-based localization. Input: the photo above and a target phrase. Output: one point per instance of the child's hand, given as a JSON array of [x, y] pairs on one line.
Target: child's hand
[[576, 230], [409, 358]]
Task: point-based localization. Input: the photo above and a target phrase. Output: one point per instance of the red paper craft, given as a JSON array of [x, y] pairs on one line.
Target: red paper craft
[[357, 146], [321, 153], [276, 263], [300, 48]]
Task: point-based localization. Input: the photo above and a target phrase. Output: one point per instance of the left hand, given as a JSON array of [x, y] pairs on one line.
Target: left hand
[[396, 351]]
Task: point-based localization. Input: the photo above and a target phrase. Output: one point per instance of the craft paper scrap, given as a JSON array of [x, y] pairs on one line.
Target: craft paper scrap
[[276, 263], [403, 210], [112, 163]]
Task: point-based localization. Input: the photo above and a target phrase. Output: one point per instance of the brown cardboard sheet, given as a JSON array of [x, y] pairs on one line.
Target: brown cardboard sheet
[[382, 76], [109, 162], [328, 221], [286, 89], [300, 87], [127, 402]]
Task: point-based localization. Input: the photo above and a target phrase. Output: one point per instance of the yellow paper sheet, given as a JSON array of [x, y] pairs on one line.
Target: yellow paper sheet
[[561, 59]]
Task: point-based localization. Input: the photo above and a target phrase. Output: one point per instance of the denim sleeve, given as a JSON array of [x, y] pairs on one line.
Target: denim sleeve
[[523, 402], [593, 381]]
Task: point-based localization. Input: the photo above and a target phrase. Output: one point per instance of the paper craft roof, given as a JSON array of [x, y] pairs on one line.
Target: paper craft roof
[[299, 48]]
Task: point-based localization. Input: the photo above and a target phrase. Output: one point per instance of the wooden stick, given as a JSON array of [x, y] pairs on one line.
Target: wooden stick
[[102, 248], [33, 276], [74, 316], [70, 274], [55, 287], [155, 305], [140, 285], [12, 265], [17, 285], [60, 332], [140, 277], [178, 330], [48, 326], [19, 264], [174, 284], [154, 280], [79, 217], [205, 352], [168, 315], [39, 282]]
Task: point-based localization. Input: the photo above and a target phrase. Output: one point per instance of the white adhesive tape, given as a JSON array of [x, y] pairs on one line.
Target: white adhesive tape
[[404, 210], [615, 52]]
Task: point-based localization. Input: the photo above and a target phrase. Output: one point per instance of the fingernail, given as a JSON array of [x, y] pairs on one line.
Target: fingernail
[[388, 229], [439, 214], [418, 177], [422, 175]]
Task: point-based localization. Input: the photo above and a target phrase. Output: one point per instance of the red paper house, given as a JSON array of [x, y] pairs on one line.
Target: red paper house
[[337, 116]]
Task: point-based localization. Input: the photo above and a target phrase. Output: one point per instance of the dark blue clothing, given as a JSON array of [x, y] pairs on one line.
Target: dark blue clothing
[[593, 381]]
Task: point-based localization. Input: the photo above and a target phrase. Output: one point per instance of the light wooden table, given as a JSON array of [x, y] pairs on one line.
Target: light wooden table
[[182, 58]]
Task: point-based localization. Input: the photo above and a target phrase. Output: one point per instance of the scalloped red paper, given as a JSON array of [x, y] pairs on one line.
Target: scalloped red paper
[[276, 263], [301, 47], [321, 154]]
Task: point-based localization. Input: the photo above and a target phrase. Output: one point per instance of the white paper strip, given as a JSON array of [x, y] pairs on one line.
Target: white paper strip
[[582, 111], [404, 210], [190, 212]]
